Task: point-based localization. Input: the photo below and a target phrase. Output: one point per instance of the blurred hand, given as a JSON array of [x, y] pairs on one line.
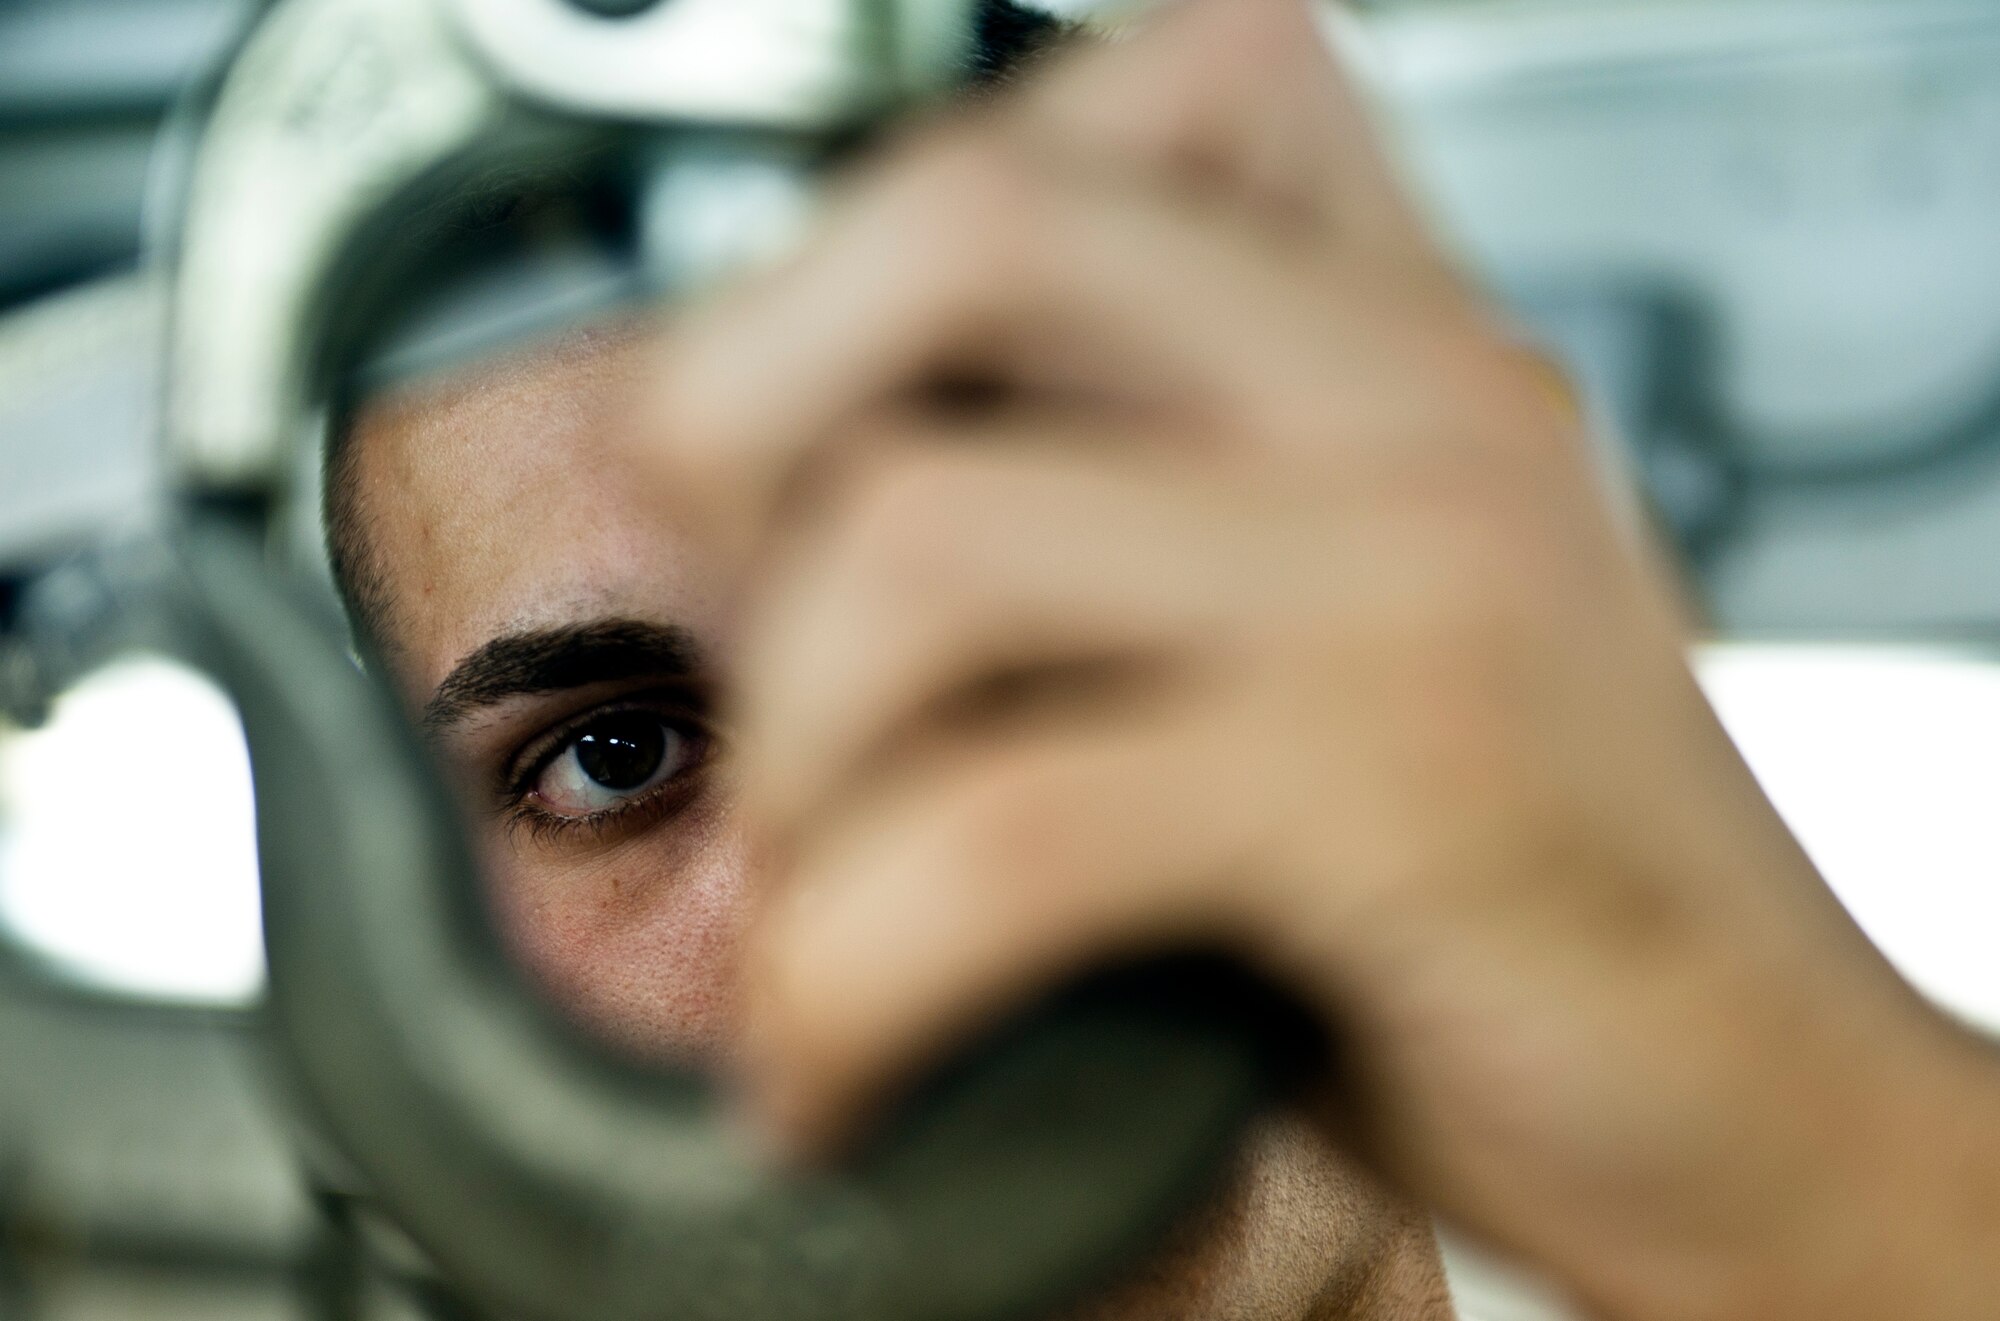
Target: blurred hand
[[1148, 540]]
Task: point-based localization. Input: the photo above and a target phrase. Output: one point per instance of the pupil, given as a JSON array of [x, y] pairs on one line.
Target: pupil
[[622, 752]]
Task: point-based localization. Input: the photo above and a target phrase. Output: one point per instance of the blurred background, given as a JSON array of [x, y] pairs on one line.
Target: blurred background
[[1761, 232]]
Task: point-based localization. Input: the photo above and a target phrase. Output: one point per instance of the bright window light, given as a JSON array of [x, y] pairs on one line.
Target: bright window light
[[127, 839], [1886, 764], [127, 855]]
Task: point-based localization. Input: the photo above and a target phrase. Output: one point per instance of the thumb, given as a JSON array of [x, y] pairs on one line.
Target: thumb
[[1249, 96]]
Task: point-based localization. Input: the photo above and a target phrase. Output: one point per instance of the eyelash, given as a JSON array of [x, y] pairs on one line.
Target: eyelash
[[655, 804]]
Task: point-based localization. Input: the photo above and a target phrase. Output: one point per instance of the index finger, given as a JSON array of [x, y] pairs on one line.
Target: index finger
[[1248, 97], [1240, 94]]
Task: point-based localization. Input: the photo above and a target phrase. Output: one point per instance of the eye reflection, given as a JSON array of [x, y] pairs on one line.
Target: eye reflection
[[612, 760]]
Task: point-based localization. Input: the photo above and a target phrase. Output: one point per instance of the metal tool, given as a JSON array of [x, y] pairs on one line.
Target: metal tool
[[325, 200]]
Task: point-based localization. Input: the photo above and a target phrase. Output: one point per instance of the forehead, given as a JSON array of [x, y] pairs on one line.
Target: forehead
[[507, 497]]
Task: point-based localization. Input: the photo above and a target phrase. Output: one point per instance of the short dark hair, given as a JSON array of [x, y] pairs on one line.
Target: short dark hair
[[1010, 36], [349, 531]]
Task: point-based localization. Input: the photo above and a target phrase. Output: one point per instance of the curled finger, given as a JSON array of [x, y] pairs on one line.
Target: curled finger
[[928, 913]]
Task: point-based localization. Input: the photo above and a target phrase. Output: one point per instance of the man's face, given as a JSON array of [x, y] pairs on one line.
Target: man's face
[[553, 627], [548, 624]]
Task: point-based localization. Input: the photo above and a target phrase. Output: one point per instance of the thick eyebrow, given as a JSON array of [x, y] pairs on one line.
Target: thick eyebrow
[[550, 660]]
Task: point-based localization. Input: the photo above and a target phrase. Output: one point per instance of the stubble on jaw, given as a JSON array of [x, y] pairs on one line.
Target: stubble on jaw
[[1293, 1233]]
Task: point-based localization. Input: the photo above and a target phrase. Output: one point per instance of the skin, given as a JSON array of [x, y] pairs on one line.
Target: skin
[[491, 512], [1270, 596], [499, 504], [1323, 644]]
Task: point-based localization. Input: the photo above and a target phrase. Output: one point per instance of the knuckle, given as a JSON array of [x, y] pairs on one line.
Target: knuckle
[[986, 173], [1488, 555], [1527, 403], [1005, 821], [898, 555], [1483, 599], [973, 199], [903, 520], [1457, 644]]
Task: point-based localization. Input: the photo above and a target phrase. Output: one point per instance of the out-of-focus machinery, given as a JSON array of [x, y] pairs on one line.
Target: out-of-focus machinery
[[1760, 229], [376, 181]]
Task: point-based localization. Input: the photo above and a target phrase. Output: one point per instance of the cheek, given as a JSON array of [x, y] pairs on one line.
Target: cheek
[[638, 946]]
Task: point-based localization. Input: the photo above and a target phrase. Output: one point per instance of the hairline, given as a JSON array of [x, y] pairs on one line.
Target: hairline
[[1010, 39]]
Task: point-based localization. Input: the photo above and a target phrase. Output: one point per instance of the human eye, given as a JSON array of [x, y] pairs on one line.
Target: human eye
[[606, 767]]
